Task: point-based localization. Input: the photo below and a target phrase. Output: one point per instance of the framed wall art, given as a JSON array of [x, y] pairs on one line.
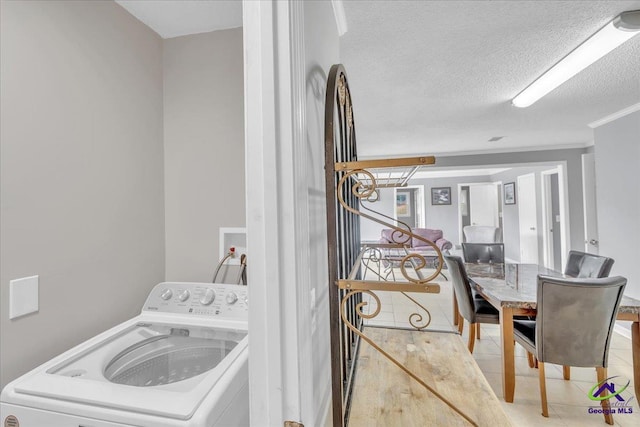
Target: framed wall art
[[403, 204], [510, 193], [441, 196]]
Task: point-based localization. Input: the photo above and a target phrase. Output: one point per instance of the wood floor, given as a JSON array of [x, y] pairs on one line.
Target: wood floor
[[384, 395]]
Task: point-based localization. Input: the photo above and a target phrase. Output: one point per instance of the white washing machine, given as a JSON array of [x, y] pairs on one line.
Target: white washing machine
[[181, 362]]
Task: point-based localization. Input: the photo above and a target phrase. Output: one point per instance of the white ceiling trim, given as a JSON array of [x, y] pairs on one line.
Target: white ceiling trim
[[505, 150], [615, 116]]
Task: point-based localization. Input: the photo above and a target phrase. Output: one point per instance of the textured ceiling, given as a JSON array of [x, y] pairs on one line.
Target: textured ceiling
[[439, 76]]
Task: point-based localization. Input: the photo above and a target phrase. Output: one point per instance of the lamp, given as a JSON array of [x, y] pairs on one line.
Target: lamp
[[619, 30]]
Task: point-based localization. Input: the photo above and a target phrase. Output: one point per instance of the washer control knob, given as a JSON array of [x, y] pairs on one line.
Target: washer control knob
[[208, 297], [184, 295], [231, 298], [166, 294]]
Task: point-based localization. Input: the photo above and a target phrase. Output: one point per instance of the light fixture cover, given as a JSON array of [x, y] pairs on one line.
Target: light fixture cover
[[619, 30]]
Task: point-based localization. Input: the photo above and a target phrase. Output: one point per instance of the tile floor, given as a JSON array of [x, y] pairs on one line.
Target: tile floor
[[568, 402]]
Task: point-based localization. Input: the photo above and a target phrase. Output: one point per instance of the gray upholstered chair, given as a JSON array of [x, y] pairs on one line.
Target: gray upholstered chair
[[481, 234], [472, 309], [487, 253], [573, 326], [585, 265], [582, 264]]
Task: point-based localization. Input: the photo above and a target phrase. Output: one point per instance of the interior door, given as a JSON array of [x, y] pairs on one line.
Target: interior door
[[527, 213], [483, 201], [589, 197]]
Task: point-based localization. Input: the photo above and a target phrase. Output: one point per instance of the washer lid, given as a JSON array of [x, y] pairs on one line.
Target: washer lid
[[158, 369]]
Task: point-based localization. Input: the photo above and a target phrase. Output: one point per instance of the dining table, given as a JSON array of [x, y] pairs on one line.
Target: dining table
[[511, 288]]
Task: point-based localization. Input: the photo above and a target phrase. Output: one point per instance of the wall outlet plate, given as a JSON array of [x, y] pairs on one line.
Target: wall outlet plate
[[23, 296]]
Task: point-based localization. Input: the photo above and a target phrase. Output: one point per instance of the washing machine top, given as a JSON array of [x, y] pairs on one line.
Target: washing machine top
[[163, 362]]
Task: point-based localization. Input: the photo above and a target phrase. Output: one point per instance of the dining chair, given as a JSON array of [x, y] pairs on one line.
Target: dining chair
[[487, 253], [474, 310], [573, 326], [582, 264]]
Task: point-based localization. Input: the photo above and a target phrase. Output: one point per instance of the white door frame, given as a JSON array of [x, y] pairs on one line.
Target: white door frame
[[565, 226], [589, 200], [547, 218], [274, 73]]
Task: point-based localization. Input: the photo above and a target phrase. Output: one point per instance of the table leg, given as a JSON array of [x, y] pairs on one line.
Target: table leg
[[508, 355], [635, 346], [456, 314]]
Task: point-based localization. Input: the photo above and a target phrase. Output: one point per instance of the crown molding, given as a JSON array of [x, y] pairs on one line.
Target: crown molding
[[615, 116]]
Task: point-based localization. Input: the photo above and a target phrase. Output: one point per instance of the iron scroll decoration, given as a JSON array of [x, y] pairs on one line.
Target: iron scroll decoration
[[350, 183]]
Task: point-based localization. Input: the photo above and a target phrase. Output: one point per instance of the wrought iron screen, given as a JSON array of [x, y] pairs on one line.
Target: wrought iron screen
[[343, 234], [351, 186]]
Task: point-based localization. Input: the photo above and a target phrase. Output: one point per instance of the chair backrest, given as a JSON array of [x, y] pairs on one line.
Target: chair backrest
[[585, 265], [575, 319], [486, 253], [481, 234], [461, 286]]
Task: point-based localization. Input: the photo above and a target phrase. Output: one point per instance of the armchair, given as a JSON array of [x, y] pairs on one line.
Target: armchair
[[481, 234]]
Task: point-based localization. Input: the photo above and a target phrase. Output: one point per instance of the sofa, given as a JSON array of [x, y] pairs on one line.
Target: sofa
[[430, 234]]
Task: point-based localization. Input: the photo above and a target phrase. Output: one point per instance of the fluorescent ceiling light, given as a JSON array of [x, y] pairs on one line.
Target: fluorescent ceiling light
[[622, 28]]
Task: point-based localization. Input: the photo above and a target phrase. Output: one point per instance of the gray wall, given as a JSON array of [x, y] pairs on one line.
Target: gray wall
[[445, 217], [204, 149], [574, 178], [617, 152], [81, 172], [441, 217]]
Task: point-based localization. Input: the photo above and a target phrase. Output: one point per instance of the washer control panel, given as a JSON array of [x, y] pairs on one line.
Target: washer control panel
[[199, 299]]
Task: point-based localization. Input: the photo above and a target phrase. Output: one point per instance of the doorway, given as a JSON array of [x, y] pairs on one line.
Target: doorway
[[409, 205], [527, 212], [551, 220], [589, 197], [479, 204]]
